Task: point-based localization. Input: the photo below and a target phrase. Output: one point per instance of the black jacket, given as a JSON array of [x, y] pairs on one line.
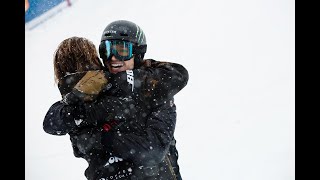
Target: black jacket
[[143, 146]]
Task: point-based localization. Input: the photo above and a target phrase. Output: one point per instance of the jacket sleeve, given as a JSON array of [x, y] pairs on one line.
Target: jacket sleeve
[[155, 80], [62, 118], [164, 79], [115, 110], [149, 145]]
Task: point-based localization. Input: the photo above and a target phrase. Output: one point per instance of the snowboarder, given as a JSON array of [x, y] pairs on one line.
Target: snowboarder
[[120, 145]]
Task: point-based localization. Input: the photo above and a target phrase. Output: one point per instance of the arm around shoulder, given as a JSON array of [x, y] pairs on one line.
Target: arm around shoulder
[[166, 79]]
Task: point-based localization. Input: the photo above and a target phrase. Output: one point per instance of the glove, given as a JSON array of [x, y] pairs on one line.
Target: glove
[[90, 85], [151, 63], [146, 63]]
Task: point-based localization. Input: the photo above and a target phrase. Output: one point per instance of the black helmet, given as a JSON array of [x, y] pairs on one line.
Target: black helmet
[[124, 30]]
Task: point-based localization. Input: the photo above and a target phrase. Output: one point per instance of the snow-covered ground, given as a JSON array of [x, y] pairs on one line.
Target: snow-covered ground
[[236, 116]]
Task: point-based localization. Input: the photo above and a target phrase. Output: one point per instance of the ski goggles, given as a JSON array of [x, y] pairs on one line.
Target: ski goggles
[[122, 50]]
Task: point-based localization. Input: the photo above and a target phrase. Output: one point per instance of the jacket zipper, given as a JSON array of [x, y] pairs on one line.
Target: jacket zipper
[[171, 168]]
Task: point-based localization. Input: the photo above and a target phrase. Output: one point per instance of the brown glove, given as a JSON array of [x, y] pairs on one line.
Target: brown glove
[[91, 84]]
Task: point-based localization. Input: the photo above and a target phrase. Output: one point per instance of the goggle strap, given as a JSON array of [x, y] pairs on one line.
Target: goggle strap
[[139, 49]]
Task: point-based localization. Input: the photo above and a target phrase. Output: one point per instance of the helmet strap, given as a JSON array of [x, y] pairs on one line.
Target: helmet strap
[[139, 52], [137, 60], [139, 49]]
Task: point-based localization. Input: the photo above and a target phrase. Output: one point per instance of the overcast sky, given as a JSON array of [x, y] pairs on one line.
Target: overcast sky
[[236, 116]]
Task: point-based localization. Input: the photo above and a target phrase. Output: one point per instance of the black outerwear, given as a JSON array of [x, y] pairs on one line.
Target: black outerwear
[[143, 146]]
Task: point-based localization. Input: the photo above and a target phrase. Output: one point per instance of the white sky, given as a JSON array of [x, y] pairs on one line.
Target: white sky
[[236, 116]]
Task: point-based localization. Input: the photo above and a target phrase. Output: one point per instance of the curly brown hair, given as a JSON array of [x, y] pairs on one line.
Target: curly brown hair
[[75, 54]]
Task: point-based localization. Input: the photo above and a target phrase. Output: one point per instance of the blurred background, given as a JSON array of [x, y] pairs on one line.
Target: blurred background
[[236, 116]]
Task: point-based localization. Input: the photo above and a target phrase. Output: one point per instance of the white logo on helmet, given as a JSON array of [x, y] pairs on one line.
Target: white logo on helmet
[[111, 32]]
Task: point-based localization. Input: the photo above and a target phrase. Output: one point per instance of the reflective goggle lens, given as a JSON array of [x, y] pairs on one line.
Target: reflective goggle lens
[[122, 50]]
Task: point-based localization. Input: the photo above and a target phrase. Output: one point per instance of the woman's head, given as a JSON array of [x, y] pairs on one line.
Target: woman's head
[[75, 54]]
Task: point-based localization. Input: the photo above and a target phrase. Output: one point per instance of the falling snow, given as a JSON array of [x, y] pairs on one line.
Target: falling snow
[[235, 118]]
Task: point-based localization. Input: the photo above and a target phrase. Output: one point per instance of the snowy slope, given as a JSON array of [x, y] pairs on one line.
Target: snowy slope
[[235, 116]]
